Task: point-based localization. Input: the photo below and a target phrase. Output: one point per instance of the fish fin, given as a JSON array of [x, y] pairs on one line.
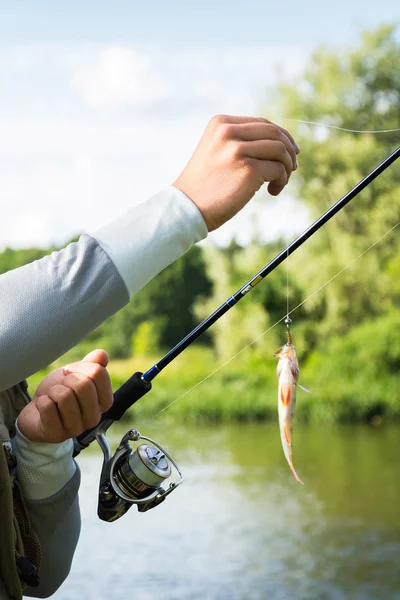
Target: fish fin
[[289, 456], [304, 389], [287, 438], [297, 478], [285, 394]]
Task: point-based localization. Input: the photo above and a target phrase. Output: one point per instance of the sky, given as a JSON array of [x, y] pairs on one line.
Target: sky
[[102, 103]]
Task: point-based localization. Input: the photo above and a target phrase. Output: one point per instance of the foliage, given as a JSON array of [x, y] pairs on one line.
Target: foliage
[[146, 338], [357, 89], [356, 376]]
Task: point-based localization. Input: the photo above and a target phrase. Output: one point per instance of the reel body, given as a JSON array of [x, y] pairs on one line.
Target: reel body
[[133, 476]]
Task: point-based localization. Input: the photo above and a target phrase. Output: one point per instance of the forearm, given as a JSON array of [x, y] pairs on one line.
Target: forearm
[[48, 306]]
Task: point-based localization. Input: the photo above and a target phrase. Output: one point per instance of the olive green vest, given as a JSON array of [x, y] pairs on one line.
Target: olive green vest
[[20, 552]]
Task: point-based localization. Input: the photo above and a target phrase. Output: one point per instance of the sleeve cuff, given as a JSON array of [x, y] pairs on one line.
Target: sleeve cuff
[[42, 469], [151, 236]]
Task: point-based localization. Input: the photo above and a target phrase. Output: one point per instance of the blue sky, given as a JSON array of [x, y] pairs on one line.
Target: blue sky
[[101, 104], [184, 22]]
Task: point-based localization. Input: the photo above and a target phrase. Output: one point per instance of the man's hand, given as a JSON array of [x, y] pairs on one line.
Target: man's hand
[[68, 401], [235, 156]]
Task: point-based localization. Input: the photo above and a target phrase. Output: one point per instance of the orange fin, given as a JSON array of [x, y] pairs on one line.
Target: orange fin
[[286, 394], [285, 432]]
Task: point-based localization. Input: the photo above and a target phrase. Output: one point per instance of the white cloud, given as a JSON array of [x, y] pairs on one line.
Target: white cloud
[[112, 77], [120, 76]]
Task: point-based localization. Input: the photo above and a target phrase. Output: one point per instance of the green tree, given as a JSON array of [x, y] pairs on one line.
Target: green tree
[[230, 268], [355, 89]]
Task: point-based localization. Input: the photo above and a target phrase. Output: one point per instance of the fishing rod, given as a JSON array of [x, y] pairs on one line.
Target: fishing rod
[[136, 476]]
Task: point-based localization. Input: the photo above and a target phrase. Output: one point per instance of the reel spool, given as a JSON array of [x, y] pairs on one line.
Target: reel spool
[[133, 476]]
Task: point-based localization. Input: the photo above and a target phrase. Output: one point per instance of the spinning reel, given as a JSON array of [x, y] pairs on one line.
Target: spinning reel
[[133, 476], [130, 476]]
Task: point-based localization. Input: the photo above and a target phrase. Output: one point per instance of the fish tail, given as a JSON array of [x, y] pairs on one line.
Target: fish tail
[[297, 478], [287, 447]]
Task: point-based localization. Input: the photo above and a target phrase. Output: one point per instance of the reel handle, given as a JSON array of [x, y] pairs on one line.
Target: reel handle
[[130, 392]]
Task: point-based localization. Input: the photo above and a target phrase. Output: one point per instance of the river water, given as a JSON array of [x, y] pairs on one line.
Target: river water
[[241, 528]]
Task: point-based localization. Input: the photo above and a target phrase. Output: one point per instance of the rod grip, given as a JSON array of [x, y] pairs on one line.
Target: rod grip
[[130, 392]]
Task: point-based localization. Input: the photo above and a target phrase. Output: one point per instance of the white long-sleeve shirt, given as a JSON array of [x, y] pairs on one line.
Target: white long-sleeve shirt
[[49, 305]]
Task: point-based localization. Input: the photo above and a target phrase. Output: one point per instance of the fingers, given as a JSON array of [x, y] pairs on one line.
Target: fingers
[[97, 356], [89, 374], [40, 421], [271, 150], [257, 128], [257, 138], [275, 188], [83, 395], [264, 134], [286, 132], [68, 401], [237, 120], [274, 172], [77, 403], [65, 403], [218, 119]]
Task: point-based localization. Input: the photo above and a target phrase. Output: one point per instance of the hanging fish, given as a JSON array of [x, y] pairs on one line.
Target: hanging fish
[[288, 374]]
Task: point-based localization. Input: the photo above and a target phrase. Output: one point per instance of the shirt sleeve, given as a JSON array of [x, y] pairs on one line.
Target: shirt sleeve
[[51, 304], [151, 236], [57, 523], [42, 469]]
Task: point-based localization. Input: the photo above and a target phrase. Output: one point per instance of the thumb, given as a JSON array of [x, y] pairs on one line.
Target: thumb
[[97, 356]]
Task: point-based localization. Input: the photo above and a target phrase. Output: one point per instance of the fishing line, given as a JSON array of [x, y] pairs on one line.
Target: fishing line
[[336, 127], [287, 281], [281, 319]]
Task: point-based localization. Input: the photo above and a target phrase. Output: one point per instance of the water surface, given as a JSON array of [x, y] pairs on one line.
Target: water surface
[[241, 528]]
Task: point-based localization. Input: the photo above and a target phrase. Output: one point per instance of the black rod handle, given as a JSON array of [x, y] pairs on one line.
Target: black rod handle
[[130, 392]]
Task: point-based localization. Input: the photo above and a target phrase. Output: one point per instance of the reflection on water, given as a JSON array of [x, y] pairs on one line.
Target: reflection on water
[[241, 528]]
